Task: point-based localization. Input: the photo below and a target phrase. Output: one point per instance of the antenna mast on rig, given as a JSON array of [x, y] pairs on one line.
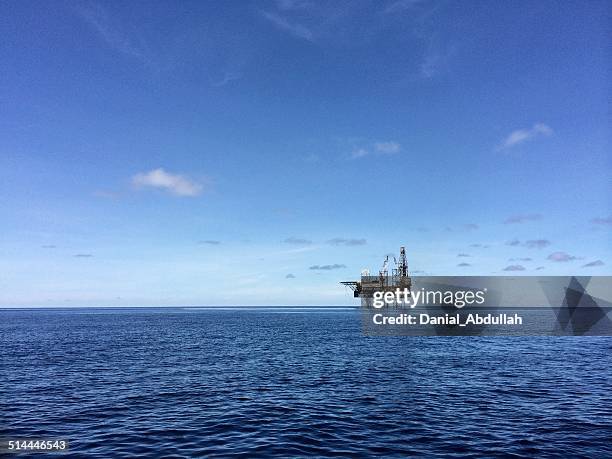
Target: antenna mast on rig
[[403, 263]]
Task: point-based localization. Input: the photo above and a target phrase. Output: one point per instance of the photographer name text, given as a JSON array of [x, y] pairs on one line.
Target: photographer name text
[[447, 319]]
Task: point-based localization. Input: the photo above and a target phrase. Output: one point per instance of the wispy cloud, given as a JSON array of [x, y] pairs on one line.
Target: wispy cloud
[[107, 28], [594, 264], [401, 5], [347, 242], [297, 30], [602, 220], [520, 259], [173, 183], [327, 267], [530, 244], [228, 77], [418, 17], [311, 158], [536, 243], [106, 194], [359, 153], [561, 257], [83, 255], [209, 242], [479, 246], [464, 255], [287, 5], [298, 249], [387, 148], [379, 148], [464, 227], [523, 135], [522, 218], [284, 211], [434, 61], [297, 241], [47, 246], [289, 276], [514, 268], [463, 265]]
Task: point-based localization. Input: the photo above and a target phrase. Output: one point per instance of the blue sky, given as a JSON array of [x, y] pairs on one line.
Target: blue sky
[[215, 153]]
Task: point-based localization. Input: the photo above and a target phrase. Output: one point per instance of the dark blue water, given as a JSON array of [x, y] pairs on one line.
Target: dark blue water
[[179, 383]]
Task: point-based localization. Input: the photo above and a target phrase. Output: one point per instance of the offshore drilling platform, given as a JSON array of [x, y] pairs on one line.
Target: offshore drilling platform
[[384, 282]]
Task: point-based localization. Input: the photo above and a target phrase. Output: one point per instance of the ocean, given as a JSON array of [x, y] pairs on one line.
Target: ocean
[[291, 382]]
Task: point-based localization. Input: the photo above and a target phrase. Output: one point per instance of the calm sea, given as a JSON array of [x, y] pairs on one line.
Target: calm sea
[[294, 382]]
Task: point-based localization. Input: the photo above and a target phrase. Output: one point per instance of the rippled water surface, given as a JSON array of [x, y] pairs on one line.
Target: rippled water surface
[[287, 383]]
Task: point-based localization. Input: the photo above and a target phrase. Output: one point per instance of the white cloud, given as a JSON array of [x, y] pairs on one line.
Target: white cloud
[[522, 218], [297, 241], [430, 65], [292, 4], [380, 148], [311, 158], [347, 242], [359, 153], [173, 183], [523, 135], [327, 267], [561, 257], [106, 194], [401, 5], [98, 18], [387, 147], [228, 77], [297, 30]]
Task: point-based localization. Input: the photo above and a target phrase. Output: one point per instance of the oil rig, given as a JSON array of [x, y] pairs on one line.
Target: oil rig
[[384, 282]]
